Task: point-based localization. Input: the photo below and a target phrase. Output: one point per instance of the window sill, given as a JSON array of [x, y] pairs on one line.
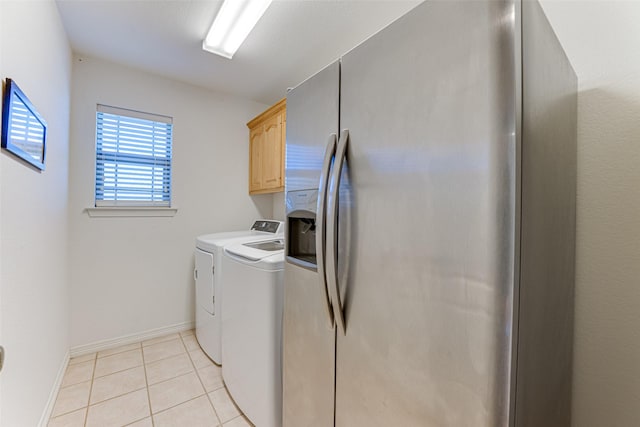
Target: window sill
[[131, 211]]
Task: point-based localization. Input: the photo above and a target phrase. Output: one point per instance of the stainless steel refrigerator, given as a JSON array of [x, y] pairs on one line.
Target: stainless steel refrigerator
[[430, 241]]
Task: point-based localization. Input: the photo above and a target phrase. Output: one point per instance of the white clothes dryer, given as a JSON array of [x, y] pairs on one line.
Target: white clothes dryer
[[252, 329], [208, 276]]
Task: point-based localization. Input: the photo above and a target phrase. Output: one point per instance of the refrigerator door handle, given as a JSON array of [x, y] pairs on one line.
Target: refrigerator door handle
[[321, 224], [332, 229]]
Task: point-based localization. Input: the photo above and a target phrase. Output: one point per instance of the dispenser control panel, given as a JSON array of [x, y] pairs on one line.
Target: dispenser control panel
[[302, 200]]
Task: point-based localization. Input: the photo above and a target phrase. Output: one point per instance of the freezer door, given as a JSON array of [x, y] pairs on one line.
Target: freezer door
[[547, 266], [429, 201], [308, 336]]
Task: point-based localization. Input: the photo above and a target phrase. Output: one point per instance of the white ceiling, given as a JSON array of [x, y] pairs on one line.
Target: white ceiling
[[292, 41], [296, 38]]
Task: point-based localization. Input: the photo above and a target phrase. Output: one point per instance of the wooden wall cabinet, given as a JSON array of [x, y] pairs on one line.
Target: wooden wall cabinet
[[266, 150]]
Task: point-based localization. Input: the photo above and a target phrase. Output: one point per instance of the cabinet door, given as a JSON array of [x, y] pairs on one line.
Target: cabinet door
[[255, 154], [283, 147], [271, 152]]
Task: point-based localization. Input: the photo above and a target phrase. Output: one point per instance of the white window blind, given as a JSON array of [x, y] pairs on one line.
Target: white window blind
[[133, 158]]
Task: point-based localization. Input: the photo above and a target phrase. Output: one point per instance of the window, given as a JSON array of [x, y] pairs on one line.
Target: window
[[133, 158]]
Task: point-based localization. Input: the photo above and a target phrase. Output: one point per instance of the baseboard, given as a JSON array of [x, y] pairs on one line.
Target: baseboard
[[48, 409], [129, 339]]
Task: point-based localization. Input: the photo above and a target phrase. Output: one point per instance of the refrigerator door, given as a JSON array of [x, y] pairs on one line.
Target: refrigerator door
[[429, 103], [548, 224], [308, 334]]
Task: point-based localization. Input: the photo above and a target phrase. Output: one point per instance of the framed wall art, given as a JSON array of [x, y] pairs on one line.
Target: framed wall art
[[24, 131]]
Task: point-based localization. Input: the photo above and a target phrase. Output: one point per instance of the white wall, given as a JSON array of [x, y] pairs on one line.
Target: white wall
[[33, 216], [131, 275], [278, 206], [1, 281], [606, 387]]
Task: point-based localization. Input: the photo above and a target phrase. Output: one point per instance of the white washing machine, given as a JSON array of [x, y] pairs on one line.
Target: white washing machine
[[209, 279], [252, 329]]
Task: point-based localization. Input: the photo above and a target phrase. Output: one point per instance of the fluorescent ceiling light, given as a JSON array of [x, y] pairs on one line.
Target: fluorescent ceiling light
[[232, 25]]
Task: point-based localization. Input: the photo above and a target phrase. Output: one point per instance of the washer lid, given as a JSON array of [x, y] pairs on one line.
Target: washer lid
[[211, 242], [214, 237], [261, 230], [257, 250]]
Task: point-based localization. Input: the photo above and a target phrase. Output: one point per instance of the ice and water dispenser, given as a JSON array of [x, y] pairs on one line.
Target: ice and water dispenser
[[301, 227]]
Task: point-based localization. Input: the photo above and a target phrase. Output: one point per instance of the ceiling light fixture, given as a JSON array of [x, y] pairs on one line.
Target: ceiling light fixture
[[232, 25]]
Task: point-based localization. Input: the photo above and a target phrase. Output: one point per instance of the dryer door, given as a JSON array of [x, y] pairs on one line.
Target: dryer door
[[203, 275]]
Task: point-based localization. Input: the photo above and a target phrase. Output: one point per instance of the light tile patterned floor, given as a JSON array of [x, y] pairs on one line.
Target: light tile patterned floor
[[164, 382]]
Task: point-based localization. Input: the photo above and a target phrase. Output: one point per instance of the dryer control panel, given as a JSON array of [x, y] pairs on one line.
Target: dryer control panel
[[268, 226]]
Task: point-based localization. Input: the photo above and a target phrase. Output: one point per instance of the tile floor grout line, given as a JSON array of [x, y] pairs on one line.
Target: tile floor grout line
[[121, 370], [93, 374], [166, 357], [195, 370], [182, 375], [220, 423], [165, 339], [168, 379], [234, 402], [117, 372], [67, 371], [201, 382], [241, 416], [118, 396], [146, 382], [118, 352], [72, 410], [143, 418], [181, 403], [115, 397]]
